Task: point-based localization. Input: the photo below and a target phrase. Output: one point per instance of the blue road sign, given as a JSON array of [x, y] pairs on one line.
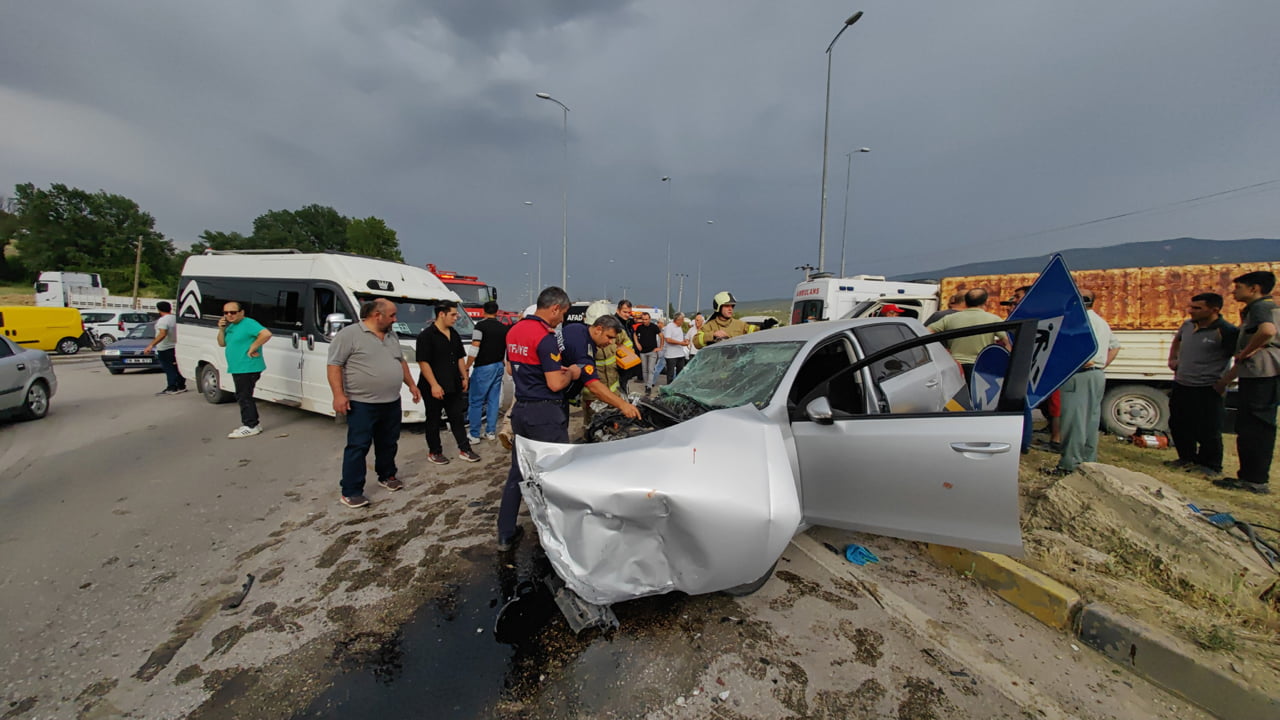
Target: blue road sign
[[1064, 340]]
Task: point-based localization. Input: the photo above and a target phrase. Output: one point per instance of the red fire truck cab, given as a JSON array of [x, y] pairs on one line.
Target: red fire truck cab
[[473, 292]]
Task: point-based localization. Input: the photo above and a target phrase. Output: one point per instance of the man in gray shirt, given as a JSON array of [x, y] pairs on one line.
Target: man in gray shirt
[[1201, 351], [366, 369], [165, 346]]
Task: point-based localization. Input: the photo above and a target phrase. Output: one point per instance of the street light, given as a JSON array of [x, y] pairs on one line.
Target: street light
[[564, 246], [606, 280], [845, 228], [529, 203], [680, 294], [699, 299], [667, 179], [826, 126]]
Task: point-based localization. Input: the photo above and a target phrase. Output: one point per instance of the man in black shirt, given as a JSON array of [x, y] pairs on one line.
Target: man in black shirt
[[628, 339], [485, 393], [443, 382], [649, 342]]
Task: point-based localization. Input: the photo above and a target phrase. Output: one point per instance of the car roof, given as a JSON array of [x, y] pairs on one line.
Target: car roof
[[819, 330]]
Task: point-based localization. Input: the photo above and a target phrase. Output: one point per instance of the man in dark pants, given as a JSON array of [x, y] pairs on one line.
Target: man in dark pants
[[243, 338], [627, 338], [165, 346], [1258, 368], [443, 382], [1201, 350], [366, 369], [540, 412]]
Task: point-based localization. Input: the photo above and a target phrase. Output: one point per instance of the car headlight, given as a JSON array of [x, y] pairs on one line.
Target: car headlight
[[111, 352]]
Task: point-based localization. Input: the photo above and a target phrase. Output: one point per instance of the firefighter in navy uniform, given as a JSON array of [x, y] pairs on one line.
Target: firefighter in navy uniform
[[540, 411], [590, 347]]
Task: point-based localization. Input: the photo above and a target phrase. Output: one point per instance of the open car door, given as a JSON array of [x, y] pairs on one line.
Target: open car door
[[870, 462]]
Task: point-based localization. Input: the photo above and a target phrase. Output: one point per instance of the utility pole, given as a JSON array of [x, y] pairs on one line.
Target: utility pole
[[137, 269], [807, 270], [625, 288], [680, 293]]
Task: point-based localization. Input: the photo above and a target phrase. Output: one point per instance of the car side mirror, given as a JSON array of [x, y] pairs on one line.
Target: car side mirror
[[819, 410], [335, 322]]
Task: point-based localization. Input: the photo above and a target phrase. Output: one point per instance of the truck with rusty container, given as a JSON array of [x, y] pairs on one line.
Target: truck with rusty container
[[1143, 305]]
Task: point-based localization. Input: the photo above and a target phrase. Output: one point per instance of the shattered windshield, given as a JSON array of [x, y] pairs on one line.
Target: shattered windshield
[[724, 376]]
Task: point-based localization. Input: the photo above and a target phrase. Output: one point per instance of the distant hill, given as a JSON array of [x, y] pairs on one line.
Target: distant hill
[[1177, 251]]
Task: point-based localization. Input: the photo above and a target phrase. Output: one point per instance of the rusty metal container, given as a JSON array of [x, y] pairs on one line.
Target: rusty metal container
[[1153, 298]]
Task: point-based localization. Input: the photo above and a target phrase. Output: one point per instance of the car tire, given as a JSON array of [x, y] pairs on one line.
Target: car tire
[[68, 346], [115, 371], [36, 404], [749, 588], [1125, 408], [106, 339], [207, 382]]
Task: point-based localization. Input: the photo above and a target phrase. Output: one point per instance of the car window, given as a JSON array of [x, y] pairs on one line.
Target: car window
[[6, 349], [145, 331], [97, 317], [882, 335], [822, 364]]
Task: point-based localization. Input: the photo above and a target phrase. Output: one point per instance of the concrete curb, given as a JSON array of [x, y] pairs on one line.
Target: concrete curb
[[1032, 592], [1146, 651], [1161, 659]]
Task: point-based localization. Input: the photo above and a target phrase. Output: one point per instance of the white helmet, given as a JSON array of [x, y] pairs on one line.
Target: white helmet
[[722, 298]]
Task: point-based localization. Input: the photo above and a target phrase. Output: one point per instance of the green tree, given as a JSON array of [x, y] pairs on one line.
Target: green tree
[[10, 268], [314, 228], [66, 228], [370, 236], [217, 240]]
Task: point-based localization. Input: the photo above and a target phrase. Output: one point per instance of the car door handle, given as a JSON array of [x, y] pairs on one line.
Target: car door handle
[[982, 448], [311, 342], [932, 383], [21, 366], [295, 340]]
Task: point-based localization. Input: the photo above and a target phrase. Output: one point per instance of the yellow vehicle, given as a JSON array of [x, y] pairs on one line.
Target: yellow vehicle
[[52, 329]]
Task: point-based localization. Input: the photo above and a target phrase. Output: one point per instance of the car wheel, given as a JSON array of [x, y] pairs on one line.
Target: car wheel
[[1125, 408], [207, 380], [748, 588], [115, 371], [68, 346], [36, 405], [106, 339]]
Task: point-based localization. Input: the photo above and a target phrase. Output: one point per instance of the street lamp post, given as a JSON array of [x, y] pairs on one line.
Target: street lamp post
[[667, 179], [680, 294], [605, 294], [848, 172], [564, 246], [826, 126], [699, 298], [529, 203], [625, 288]]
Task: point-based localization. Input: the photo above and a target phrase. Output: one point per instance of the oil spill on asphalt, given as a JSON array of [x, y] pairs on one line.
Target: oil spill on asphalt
[[446, 660]]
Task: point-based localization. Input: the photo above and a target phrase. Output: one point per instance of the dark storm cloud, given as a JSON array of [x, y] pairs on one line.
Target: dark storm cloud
[[987, 124]]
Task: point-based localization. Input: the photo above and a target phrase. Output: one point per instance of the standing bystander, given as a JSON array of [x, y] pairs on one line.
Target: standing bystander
[[1082, 397], [484, 396], [676, 346], [1201, 350], [442, 379], [165, 346], [365, 370], [965, 350], [243, 338], [649, 342], [1257, 365]]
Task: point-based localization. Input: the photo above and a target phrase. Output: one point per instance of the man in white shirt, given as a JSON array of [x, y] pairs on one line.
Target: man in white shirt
[[165, 346], [675, 346], [695, 327], [1082, 397]]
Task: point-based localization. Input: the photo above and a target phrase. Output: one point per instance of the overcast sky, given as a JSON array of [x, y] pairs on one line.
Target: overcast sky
[[987, 122]]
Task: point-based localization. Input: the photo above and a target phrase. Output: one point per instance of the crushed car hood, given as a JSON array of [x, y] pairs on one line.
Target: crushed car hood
[[702, 506]]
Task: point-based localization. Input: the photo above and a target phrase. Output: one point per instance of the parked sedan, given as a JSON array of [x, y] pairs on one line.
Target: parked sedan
[[126, 353], [27, 382], [856, 424]]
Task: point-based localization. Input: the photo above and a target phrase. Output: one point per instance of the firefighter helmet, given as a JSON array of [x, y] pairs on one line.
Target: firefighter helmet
[[721, 299]]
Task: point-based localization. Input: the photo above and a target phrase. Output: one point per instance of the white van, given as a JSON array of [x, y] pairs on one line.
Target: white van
[[303, 299]]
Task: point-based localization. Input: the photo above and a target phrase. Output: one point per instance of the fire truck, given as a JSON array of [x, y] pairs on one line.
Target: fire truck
[[473, 292]]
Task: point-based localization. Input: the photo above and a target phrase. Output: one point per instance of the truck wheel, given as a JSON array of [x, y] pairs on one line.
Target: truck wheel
[[207, 384], [1125, 408], [68, 346], [748, 588]]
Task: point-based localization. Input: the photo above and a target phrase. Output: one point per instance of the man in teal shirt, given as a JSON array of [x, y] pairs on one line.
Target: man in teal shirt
[[243, 338]]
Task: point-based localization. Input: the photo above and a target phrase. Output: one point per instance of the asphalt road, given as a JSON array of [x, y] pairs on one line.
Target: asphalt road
[[127, 521]]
